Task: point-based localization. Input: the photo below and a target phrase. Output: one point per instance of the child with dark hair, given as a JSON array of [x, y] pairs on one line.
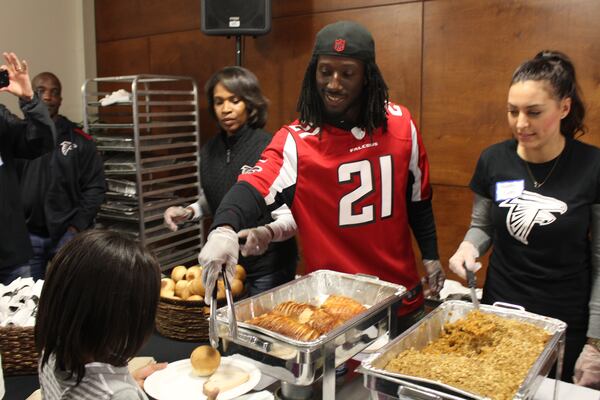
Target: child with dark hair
[[96, 310], [537, 200]]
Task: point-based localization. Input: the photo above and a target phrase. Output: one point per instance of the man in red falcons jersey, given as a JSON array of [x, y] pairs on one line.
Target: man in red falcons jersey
[[352, 169]]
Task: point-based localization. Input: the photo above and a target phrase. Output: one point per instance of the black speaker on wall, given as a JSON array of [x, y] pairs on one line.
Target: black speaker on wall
[[236, 17]]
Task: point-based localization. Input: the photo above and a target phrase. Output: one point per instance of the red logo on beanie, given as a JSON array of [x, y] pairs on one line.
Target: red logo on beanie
[[339, 45]]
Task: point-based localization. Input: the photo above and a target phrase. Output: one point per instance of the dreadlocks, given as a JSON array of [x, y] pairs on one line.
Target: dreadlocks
[[373, 112]]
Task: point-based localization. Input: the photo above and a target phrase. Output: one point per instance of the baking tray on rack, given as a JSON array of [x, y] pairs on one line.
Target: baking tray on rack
[[122, 186], [301, 363], [391, 385]]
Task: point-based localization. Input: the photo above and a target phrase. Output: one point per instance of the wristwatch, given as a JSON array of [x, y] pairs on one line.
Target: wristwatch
[[594, 342]]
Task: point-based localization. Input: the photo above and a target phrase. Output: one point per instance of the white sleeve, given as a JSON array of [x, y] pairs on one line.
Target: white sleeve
[[284, 226], [200, 207]]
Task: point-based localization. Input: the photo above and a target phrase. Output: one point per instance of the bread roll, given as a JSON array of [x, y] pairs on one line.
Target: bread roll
[[197, 287], [185, 293], [285, 326], [193, 273], [167, 284], [293, 309], [237, 287], [205, 360], [322, 321], [343, 307], [178, 273], [179, 286], [240, 272]]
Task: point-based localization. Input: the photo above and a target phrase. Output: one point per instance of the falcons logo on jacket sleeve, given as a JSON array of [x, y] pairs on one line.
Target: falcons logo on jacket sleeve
[[67, 146], [528, 210]]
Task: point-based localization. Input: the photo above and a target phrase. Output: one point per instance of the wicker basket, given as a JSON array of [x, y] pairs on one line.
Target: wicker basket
[[182, 319], [19, 356]]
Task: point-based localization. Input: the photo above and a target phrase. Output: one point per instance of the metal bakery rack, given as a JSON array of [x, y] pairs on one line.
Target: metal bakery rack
[[148, 130]]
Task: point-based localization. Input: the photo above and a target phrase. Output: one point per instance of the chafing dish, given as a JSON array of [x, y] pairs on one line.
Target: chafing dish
[[389, 385], [302, 363]]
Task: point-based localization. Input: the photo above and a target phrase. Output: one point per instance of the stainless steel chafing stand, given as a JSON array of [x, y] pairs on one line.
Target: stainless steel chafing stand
[[386, 385], [299, 364]]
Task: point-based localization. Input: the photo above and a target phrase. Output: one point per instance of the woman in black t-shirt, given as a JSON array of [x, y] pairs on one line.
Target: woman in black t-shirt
[[537, 200]]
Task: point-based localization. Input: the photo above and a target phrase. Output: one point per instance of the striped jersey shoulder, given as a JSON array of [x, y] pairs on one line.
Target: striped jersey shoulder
[[400, 122], [301, 131]]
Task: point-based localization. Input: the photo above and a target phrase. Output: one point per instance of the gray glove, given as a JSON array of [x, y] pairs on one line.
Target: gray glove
[[257, 240], [466, 255], [435, 276], [221, 248]]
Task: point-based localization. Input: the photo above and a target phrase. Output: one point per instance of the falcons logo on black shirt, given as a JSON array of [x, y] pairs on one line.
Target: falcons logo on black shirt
[[66, 146], [529, 209]]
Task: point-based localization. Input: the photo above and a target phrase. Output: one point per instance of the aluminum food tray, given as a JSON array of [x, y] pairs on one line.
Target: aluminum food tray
[[301, 363], [389, 385]]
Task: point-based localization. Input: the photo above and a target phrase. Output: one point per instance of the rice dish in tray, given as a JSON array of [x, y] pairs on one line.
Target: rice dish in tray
[[482, 353]]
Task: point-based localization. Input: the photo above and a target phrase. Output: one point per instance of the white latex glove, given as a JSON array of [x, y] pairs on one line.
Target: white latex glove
[[466, 255], [221, 248], [257, 240], [587, 367], [435, 276], [176, 215]]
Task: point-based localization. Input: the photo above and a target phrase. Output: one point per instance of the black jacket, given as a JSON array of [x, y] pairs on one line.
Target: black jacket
[[222, 159], [29, 139], [65, 187]]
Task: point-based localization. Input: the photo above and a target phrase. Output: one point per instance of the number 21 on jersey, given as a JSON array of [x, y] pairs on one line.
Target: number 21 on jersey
[[364, 170]]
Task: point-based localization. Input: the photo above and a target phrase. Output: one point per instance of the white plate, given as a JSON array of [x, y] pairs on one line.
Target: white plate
[[176, 382]]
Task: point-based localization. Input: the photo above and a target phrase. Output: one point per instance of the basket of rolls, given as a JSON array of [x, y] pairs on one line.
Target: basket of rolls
[[182, 313]]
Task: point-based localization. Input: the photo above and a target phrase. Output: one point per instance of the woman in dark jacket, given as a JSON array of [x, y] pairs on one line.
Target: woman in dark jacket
[[237, 104]]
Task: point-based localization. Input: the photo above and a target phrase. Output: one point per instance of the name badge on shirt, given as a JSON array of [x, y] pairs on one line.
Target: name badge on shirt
[[509, 189]]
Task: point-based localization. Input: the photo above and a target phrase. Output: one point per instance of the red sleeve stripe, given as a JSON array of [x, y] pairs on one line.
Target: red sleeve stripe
[[82, 133]]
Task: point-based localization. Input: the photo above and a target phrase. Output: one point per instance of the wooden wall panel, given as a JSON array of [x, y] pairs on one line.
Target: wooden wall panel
[[397, 33], [119, 19], [283, 8], [123, 57], [192, 54], [452, 209], [470, 50]]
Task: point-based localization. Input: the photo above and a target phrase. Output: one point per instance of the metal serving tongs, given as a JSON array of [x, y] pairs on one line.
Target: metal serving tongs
[[472, 284], [213, 336]]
